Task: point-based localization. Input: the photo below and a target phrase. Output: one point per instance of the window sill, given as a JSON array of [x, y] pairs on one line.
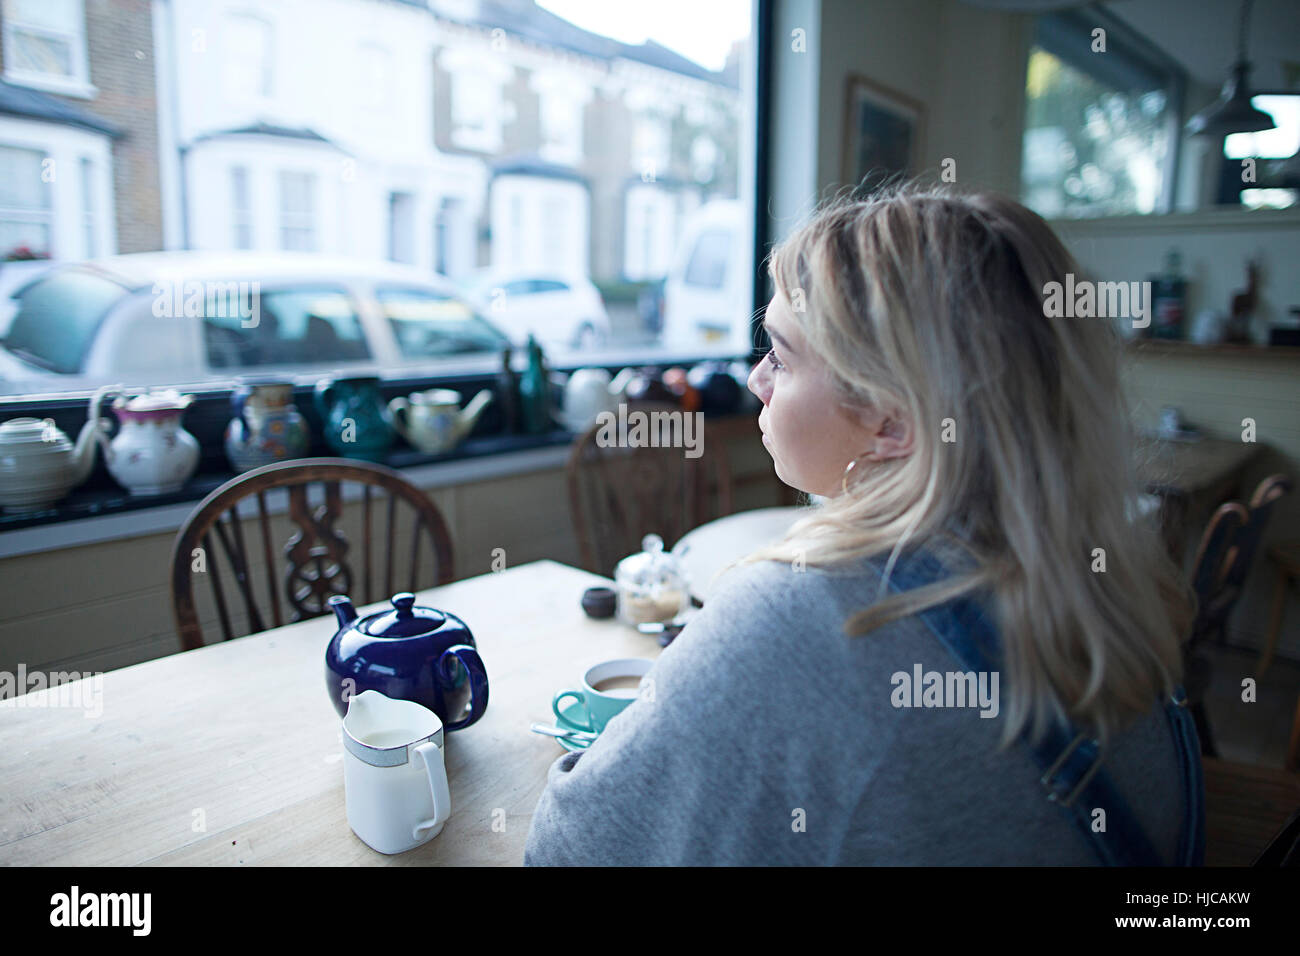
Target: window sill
[[53, 84], [1184, 347], [102, 514]]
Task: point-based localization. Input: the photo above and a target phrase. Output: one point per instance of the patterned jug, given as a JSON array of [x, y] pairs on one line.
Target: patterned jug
[[267, 427]]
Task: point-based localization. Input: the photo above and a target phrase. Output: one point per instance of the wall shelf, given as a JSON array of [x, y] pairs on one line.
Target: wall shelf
[[1183, 347]]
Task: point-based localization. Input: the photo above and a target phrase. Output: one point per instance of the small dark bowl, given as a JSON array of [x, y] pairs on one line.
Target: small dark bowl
[[599, 602]]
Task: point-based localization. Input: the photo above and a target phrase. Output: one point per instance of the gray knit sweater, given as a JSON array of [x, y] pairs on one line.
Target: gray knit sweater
[[772, 738]]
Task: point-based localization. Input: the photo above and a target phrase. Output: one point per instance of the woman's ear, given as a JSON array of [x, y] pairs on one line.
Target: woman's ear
[[893, 438]]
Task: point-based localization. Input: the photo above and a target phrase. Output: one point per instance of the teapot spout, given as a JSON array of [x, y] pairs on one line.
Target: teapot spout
[[469, 415], [343, 609], [83, 453]]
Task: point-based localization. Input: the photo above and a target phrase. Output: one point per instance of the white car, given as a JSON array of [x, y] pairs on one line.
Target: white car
[[708, 288], [565, 312], [182, 318]]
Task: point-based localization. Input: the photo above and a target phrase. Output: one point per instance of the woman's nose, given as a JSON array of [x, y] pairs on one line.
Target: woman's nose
[[758, 382]]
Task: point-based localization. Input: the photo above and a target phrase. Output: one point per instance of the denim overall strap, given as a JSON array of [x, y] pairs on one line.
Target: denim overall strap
[[1073, 775], [1191, 844]]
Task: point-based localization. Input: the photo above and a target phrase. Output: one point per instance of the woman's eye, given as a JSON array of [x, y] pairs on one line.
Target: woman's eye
[[771, 357]]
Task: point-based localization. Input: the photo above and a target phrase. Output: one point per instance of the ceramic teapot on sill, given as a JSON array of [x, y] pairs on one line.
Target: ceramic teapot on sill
[[38, 465], [411, 653], [433, 421], [589, 392]]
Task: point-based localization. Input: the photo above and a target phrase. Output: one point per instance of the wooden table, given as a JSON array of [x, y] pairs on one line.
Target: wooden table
[[1192, 467], [231, 754], [706, 550], [1185, 474]]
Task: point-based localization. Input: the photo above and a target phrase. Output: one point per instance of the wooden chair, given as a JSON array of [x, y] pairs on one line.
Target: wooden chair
[[619, 494], [1286, 556], [1223, 559], [1226, 554], [317, 561]]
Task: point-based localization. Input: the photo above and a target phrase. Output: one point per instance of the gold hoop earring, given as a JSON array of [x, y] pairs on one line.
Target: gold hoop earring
[[844, 482]]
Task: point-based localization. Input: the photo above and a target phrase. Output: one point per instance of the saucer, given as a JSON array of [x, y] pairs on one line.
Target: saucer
[[565, 722]]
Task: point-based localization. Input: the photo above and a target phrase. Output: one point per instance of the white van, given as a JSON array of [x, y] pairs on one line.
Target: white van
[[709, 286]]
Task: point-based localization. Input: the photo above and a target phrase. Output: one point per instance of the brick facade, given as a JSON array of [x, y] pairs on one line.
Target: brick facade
[[120, 55]]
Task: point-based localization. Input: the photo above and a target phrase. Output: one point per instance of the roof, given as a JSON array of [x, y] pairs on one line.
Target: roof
[[269, 129], [143, 269], [524, 18], [20, 101], [533, 165]]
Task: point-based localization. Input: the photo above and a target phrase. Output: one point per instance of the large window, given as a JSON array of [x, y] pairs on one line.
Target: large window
[[45, 43], [1100, 122], [297, 211], [476, 111], [597, 160], [24, 204], [241, 208], [248, 58]]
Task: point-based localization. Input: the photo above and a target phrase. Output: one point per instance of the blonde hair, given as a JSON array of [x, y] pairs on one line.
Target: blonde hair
[[930, 302]]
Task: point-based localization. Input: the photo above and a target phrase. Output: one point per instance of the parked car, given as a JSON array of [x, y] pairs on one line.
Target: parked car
[[561, 311], [195, 317], [14, 276], [707, 290]]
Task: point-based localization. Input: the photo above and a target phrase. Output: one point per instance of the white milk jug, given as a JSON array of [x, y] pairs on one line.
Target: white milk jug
[[394, 776]]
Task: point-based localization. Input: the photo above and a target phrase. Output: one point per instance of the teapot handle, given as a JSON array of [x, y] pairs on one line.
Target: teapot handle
[[435, 766], [324, 389], [478, 682], [103, 426]]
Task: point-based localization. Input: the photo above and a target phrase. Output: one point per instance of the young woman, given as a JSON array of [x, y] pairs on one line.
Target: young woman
[[969, 652]]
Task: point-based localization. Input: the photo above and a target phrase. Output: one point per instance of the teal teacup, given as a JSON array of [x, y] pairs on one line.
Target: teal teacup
[[607, 688]]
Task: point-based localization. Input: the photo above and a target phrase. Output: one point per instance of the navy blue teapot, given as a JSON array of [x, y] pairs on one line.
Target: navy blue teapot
[[408, 653]]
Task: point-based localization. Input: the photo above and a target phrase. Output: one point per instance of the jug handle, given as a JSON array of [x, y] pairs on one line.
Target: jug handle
[[398, 409], [434, 765], [478, 682], [324, 389]]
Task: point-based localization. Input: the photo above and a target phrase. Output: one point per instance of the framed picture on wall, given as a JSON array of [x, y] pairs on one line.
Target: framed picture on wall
[[882, 134]]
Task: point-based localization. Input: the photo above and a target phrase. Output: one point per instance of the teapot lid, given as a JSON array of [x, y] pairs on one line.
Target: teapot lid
[[405, 620], [651, 567], [17, 430]]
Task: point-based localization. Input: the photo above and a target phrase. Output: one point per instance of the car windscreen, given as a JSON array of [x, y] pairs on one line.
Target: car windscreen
[[57, 319], [429, 324]]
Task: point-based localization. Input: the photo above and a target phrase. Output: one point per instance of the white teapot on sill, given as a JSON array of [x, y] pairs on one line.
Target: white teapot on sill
[[38, 465], [589, 392], [151, 453]]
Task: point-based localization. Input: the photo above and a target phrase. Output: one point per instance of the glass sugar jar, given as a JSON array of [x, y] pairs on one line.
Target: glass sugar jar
[[651, 584]]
